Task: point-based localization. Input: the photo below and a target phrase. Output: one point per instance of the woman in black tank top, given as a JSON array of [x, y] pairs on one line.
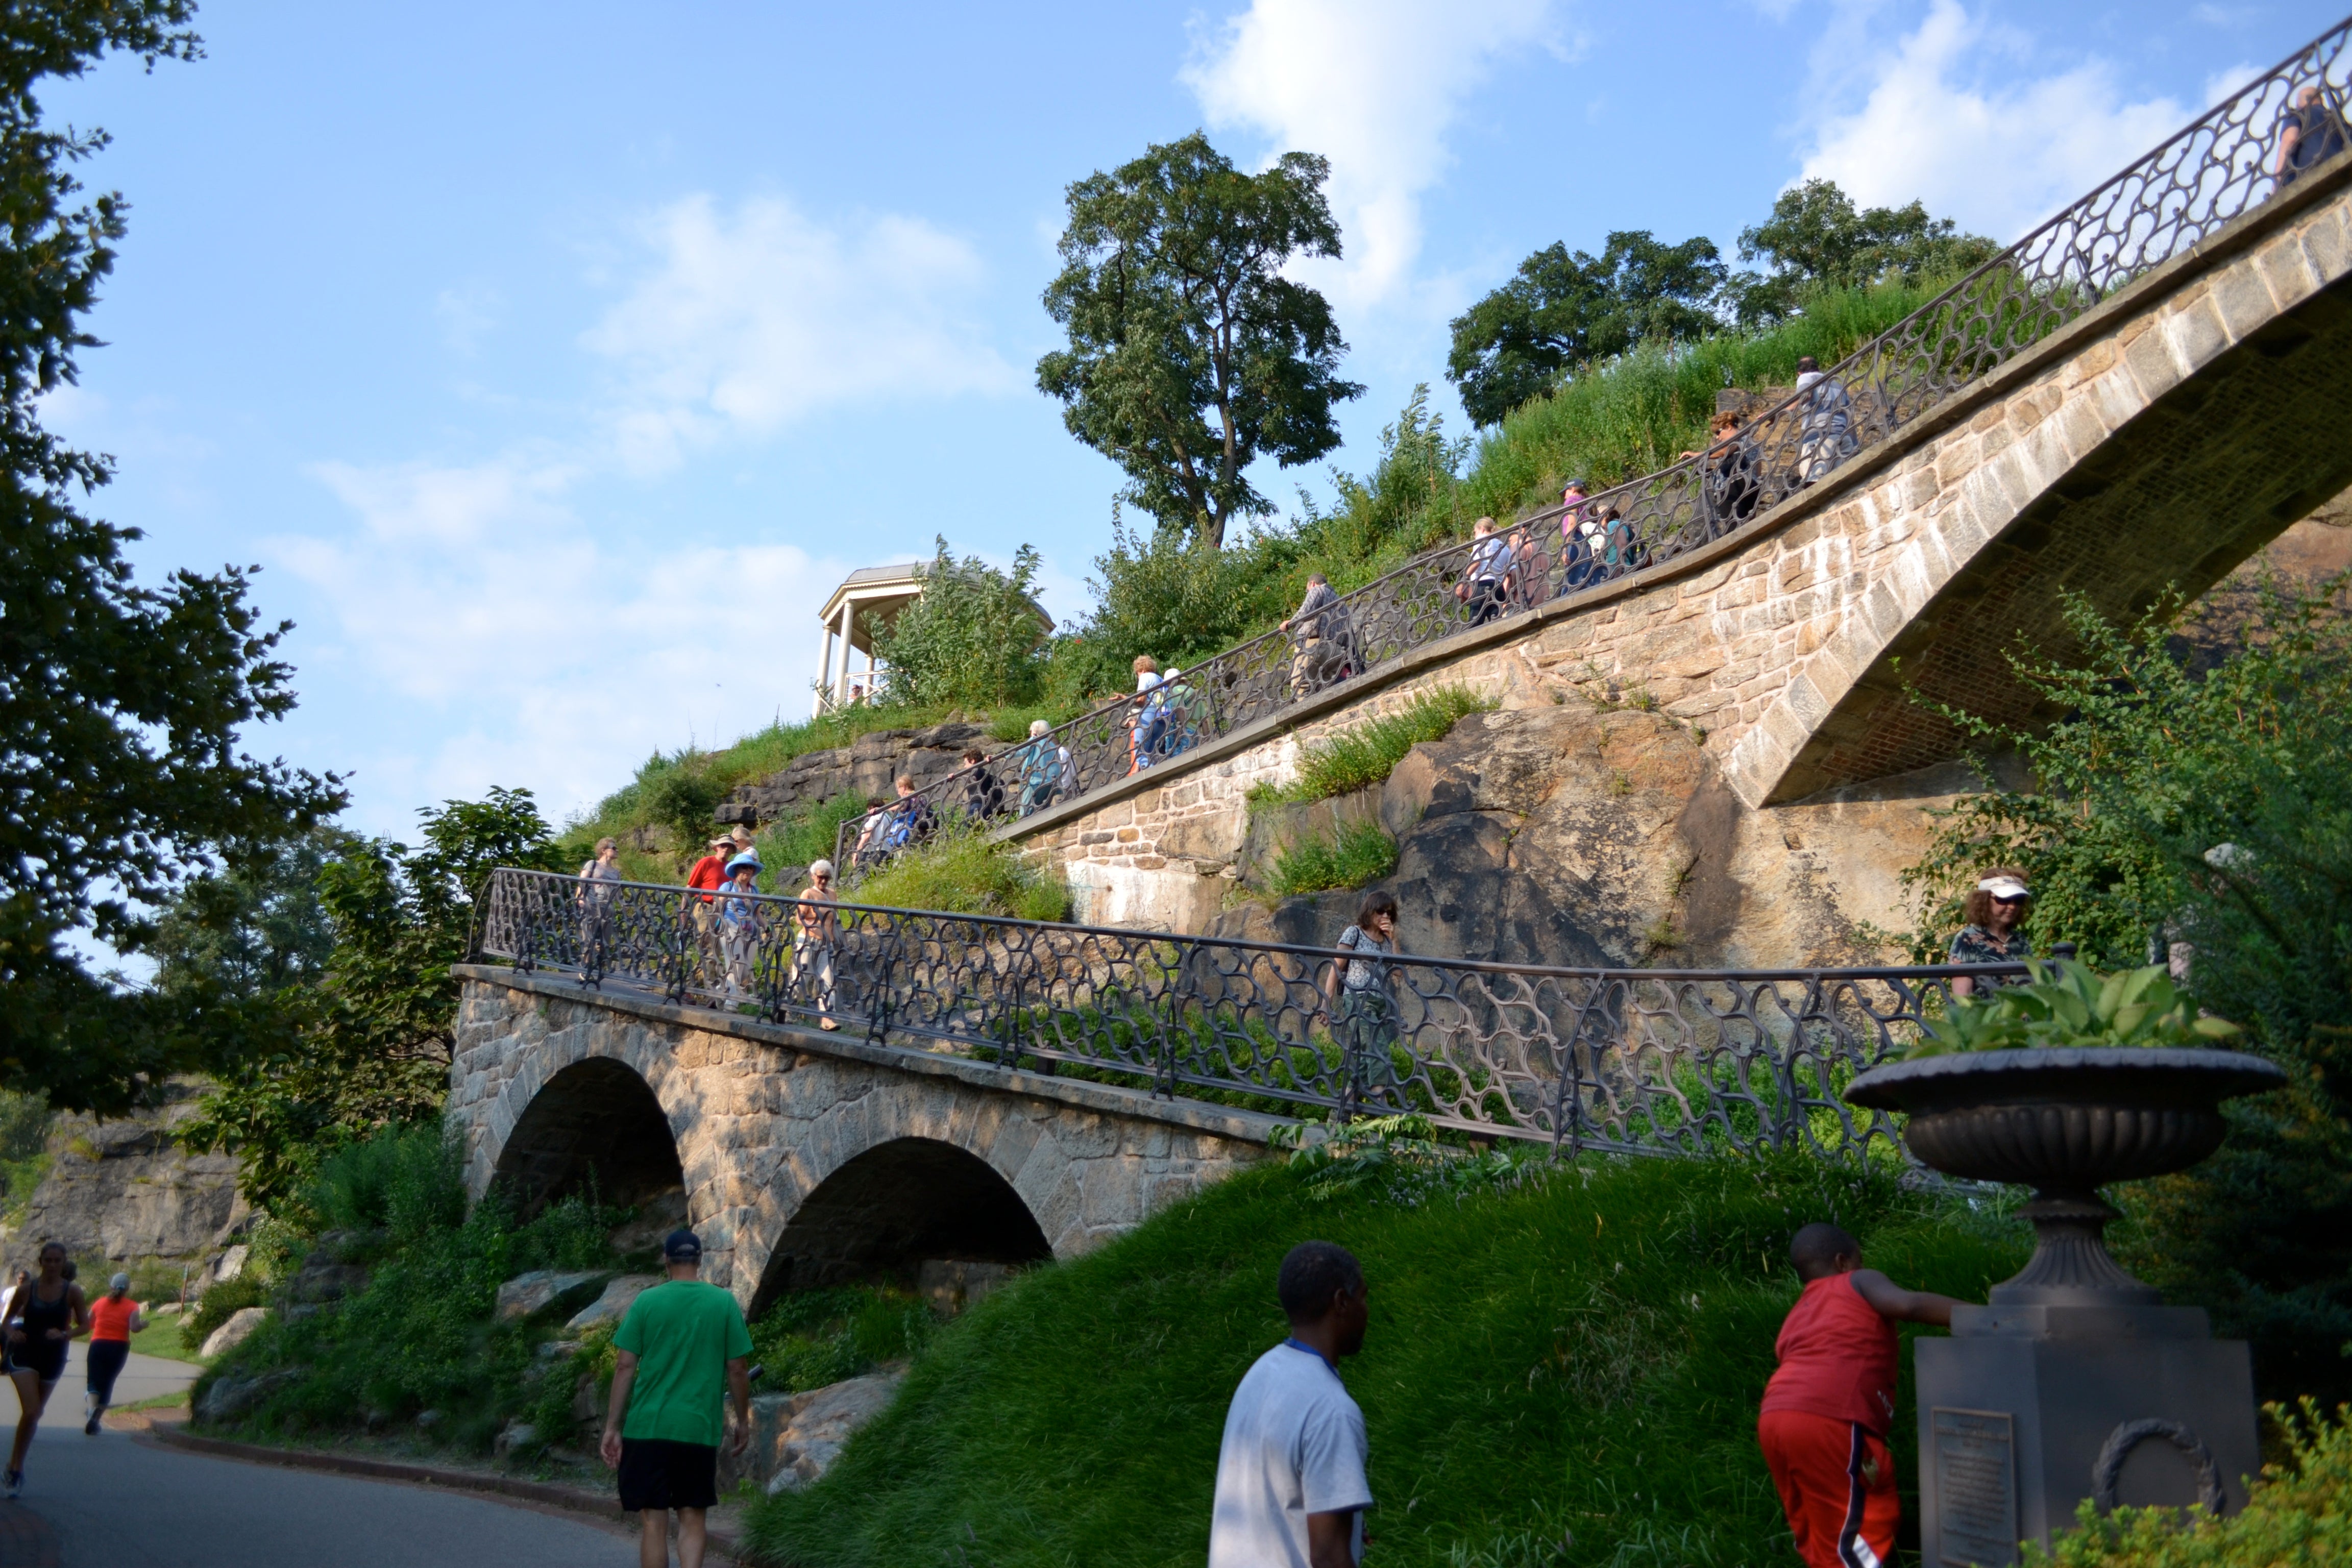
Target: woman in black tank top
[[45, 1315]]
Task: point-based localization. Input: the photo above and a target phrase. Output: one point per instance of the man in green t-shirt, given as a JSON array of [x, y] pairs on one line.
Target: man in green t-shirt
[[682, 1350]]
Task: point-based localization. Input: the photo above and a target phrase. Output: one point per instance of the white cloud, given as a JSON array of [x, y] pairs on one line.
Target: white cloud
[[1950, 118], [752, 318], [535, 653], [1373, 84]]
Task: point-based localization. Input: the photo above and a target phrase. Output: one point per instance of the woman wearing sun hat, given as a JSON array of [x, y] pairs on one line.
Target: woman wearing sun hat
[[1994, 910]]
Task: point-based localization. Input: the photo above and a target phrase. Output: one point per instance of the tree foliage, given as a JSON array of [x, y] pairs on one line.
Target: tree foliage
[[1564, 307], [1817, 239], [1191, 354], [2212, 811], [975, 639], [367, 1044], [121, 705]]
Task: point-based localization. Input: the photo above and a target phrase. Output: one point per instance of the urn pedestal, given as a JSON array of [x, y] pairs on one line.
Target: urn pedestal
[[2074, 1381]]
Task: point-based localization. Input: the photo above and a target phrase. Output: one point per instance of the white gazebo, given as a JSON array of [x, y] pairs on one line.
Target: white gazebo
[[867, 600]]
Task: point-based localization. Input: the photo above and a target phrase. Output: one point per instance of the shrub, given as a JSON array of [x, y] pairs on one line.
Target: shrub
[[1360, 854], [2295, 1516], [972, 640], [1366, 754], [961, 872], [803, 838], [812, 1338], [405, 1181], [220, 1302]]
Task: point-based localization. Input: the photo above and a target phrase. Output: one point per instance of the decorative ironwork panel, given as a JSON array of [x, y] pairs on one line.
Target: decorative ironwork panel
[[1635, 1061]]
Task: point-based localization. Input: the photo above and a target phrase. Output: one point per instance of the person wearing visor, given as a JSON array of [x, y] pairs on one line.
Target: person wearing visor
[[682, 1353], [1993, 912]]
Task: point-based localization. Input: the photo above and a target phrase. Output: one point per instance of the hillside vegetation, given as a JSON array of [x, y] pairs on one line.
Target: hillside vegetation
[[1181, 602], [1563, 1371]]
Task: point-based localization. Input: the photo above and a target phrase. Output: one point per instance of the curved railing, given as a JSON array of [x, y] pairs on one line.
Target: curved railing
[[1631, 1061], [2175, 196]]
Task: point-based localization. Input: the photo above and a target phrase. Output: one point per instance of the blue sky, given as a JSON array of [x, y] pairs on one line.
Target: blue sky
[[553, 362]]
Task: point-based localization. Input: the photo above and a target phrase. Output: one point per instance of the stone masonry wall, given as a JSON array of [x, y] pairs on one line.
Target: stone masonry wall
[[763, 1114]]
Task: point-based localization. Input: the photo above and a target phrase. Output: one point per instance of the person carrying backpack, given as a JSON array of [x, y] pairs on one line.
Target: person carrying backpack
[[1042, 766]]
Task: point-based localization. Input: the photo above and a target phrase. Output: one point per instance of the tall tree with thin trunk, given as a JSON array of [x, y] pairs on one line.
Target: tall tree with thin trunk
[[1191, 354]]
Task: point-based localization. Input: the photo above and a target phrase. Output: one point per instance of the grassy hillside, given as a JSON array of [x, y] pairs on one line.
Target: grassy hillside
[[1565, 1374]]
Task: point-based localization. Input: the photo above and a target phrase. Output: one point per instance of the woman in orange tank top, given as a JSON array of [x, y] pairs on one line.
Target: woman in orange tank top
[[113, 1319]]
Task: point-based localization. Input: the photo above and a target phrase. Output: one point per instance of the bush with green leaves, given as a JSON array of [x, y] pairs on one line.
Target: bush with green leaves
[[2070, 1003], [221, 1301], [2295, 1517], [1358, 853], [1365, 754], [975, 639], [962, 872], [2209, 805]]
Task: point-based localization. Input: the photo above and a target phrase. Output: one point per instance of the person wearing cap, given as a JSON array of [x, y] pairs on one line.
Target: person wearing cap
[[815, 930], [682, 1355], [113, 1319], [709, 874], [1993, 912], [739, 922]]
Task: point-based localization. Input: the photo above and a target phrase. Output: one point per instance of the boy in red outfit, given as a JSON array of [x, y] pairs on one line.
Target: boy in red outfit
[[1827, 1409]]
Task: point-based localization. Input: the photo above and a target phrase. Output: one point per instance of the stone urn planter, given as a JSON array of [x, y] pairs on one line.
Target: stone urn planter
[[2065, 1122]]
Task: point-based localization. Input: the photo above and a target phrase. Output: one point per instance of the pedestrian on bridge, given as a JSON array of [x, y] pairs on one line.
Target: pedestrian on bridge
[[682, 1352], [1291, 1491], [816, 930]]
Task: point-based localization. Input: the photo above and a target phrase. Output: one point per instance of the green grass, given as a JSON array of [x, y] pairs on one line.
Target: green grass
[[161, 1337], [808, 1339], [1360, 854], [1581, 1357], [961, 872], [1366, 754]]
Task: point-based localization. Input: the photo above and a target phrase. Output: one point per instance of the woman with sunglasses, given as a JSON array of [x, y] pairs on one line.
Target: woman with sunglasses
[[814, 932], [1994, 910]]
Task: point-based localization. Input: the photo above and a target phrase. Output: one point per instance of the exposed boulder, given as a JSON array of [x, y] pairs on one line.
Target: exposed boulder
[[795, 1437], [231, 1394], [950, 1285], [864, 769], [125, 1190], [239, 1327], [613, 1303], [526, 1295], [322, 1278], [656, 1217]]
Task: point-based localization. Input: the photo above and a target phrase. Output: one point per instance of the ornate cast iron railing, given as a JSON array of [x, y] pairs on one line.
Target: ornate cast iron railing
[[1633, 1061], [2175, 197]]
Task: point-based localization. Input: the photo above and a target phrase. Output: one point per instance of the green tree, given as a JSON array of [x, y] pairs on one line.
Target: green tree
[[121, 704], [254, 929], [1191, 355], [1564, 307], [975, 639], [1817, 239], [2214, 810], [368, 1043]]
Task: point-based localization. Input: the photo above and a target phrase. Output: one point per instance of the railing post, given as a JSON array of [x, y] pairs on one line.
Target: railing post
[[877, 1018]]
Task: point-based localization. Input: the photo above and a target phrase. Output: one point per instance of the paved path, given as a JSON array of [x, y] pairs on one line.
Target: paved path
[[110, 1502]]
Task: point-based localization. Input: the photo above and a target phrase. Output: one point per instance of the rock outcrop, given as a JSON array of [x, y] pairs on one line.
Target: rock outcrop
[[527, 1296], [238, 1329], [865, 769], [125, 1190], [613, 1304], [1568, 835], [795, 1437]]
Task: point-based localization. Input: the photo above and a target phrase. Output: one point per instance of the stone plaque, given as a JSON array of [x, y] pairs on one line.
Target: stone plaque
[[1976, 1487]]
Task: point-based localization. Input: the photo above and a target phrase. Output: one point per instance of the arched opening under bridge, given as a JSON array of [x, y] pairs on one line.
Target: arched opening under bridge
[[895, 1207], [595, 1124]]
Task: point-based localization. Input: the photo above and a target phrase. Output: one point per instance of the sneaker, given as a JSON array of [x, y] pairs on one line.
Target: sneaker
[[14, 1486], [89, 1427]]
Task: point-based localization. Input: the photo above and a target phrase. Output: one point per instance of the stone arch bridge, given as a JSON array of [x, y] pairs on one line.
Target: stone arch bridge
[[2155, 442], [808, 1159]]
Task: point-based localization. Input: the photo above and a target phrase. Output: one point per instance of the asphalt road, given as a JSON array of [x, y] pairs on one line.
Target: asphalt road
[[112, 1501]]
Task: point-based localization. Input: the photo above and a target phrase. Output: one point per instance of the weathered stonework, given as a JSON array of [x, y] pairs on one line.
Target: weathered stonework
[[762, 1116], [2157, 441]]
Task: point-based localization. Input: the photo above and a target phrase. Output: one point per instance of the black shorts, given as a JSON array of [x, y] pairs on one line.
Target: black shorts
[[45, 1361], [658, 1473]]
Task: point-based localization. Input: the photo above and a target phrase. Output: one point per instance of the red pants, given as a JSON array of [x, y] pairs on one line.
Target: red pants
[[1837, 1481]]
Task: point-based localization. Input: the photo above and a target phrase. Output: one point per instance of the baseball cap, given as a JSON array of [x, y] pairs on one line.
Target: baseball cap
[[2004, 887], [682, 1247]]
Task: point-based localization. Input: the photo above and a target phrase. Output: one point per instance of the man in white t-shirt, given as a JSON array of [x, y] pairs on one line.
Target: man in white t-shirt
[[1290, 1477]]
